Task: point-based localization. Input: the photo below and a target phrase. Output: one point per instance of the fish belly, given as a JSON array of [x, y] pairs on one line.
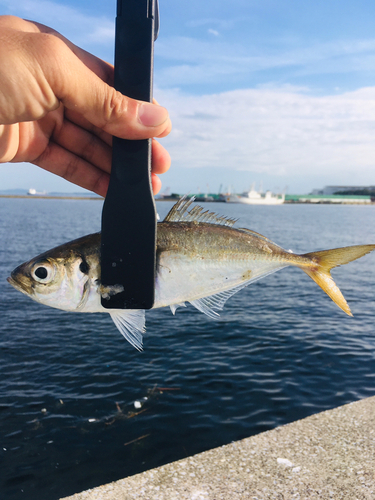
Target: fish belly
[[181, 278]]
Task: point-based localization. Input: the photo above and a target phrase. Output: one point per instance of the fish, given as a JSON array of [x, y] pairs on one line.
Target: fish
[[200, 258]]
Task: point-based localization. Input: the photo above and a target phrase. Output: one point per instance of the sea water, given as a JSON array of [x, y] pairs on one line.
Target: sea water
[[80, 407]]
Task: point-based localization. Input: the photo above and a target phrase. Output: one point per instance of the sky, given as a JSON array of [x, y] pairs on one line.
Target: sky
[[280, 93]]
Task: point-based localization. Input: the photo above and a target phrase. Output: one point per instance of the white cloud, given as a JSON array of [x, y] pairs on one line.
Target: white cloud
[[275, 132], [192, 60], [103, 33], [220, 23]]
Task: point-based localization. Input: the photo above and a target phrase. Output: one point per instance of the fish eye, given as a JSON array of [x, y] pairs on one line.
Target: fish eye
[[43, 273]]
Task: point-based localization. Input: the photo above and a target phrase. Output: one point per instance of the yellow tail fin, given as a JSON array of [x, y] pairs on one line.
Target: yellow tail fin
[[326, 260]]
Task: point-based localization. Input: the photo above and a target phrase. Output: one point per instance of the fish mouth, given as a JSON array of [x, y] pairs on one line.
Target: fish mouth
[[19, 285]]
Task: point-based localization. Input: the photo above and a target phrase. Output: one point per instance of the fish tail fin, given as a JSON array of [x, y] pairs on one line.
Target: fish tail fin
[[326, 260]]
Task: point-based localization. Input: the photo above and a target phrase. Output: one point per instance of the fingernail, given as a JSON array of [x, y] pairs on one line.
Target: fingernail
[[151, 115]]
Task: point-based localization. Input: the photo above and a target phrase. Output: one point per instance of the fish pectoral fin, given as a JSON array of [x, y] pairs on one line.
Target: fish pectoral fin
[[131, 324], [326, 260], [85, 295], [175, 306]]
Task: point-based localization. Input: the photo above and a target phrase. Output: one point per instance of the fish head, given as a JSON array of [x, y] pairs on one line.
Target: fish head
[[59, 278]]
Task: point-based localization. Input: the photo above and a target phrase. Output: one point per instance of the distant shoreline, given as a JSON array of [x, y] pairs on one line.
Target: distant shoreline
[[46, 197], [304, 201], [65, 197]]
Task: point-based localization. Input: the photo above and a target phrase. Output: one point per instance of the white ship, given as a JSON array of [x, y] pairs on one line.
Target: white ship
[[254, 197], [34, 192]]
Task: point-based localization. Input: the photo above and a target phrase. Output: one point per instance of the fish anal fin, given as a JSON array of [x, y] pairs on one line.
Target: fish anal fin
[[203, 306], [326, 260], [213, 303], [131, 324]]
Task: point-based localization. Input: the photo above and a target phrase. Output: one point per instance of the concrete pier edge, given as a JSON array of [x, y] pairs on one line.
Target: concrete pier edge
[[330, 455]]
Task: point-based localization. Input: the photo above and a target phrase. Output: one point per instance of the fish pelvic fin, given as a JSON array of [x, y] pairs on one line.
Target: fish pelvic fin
[[131, 324], [324, 261]]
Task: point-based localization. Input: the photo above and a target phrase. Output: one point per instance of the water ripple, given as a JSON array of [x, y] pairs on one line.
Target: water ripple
[[80, 407]]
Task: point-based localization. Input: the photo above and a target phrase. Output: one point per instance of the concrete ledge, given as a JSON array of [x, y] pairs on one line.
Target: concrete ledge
[[330, 455]]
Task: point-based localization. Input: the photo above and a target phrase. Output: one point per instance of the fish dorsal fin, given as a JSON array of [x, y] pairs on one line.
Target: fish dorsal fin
[[175, 306], [180, 213], [131, 324]]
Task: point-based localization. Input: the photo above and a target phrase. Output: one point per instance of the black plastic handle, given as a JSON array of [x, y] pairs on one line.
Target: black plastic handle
[[129, 215]]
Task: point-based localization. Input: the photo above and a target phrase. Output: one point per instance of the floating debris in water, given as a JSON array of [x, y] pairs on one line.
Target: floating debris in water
[[140, 402], [137, 439]]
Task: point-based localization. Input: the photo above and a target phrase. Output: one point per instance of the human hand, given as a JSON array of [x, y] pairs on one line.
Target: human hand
[[59, 110]]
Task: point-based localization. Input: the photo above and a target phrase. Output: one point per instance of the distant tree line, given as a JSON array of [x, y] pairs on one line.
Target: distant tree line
[[358, 192]]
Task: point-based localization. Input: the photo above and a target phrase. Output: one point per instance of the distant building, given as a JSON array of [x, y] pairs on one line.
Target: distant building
[[342, 189], [343, 199]]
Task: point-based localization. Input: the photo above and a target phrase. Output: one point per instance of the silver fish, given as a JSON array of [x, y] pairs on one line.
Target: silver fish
[[201, 259]]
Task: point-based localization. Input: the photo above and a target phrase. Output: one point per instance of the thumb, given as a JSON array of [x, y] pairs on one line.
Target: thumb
[[81, 90]]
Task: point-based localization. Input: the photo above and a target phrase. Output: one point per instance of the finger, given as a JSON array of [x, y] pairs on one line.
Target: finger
[[9, 142], [59, 161], [91, 148], [83, 144], [156, 183], [82, 122], [74, 169], [161, 160]]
